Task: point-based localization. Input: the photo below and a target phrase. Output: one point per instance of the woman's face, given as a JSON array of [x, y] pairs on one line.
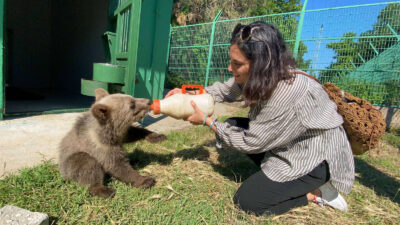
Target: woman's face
[[239, 66]]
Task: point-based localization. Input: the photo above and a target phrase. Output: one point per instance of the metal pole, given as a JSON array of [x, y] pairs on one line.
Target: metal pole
[[394, 32], [373, 47], [211, 46], [299, 29]]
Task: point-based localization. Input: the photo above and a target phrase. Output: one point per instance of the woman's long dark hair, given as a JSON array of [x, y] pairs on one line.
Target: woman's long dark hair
[[270, 61]]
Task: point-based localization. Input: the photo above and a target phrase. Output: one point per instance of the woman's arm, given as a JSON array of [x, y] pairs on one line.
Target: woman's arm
[[228, 91], [273, 127]]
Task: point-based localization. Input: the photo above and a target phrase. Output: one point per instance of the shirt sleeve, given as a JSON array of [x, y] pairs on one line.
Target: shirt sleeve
[[228, 91], [273, 127]]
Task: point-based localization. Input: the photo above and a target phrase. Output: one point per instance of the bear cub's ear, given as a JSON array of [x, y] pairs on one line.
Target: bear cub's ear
[[100, 93], [101, 112]]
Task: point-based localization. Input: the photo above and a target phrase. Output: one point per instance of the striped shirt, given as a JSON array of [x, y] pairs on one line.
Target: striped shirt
[[298, 127]]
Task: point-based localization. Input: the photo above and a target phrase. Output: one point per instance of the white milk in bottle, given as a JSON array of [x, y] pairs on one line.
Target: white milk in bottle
[[178, 105]]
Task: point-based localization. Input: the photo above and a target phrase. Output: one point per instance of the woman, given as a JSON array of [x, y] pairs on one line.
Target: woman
[[293, 130]]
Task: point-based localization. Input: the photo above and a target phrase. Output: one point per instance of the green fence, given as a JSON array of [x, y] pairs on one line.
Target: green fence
[[356, 47]]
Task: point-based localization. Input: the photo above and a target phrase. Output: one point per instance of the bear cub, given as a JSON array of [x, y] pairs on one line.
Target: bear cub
[[93, 147]]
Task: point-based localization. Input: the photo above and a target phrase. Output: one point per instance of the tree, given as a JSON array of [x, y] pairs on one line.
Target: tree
[[187, 12], [389, 16], [350, 52], [350, 48], [346, 55]]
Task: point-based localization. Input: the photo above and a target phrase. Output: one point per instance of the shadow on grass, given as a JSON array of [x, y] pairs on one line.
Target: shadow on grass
[[139, 158], [382, 184], [237, 167], [232, 164], [53, 220]]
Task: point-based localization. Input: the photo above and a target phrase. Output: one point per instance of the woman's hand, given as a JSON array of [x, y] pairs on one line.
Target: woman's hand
[[197, 117], [173, 91]]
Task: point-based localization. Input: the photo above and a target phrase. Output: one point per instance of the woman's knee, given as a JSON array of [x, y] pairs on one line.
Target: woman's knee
[[245, 202]]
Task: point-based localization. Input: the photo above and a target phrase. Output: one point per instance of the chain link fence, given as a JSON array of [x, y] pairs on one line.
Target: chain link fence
[[356, 47]]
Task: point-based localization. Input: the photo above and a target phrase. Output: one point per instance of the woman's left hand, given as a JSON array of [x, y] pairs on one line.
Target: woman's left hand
[[197, 117]]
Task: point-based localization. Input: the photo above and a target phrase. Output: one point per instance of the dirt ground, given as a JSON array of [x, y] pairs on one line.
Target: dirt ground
[[28, 141]]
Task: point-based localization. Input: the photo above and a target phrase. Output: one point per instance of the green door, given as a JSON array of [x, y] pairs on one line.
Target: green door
[[136, 49], [142, 36], [2, 97], [152, 52]]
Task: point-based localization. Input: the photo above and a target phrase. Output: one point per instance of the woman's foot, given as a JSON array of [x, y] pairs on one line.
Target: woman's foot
[[328, 195]]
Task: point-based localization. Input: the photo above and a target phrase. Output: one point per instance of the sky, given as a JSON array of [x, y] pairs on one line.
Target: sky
[[334, 23]]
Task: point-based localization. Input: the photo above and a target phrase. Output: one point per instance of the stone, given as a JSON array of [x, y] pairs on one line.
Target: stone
[[12, 215]]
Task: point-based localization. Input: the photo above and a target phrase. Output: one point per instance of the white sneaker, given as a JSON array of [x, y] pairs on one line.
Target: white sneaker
[[330, 197]]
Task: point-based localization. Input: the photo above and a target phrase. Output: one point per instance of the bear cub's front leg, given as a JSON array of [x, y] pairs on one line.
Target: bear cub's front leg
[[138, 133], [124, 172]]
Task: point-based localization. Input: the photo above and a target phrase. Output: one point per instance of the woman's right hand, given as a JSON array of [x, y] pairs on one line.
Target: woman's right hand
[[173, 91]]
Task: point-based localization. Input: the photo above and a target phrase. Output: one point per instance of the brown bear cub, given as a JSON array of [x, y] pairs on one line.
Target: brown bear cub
[[93, 147]]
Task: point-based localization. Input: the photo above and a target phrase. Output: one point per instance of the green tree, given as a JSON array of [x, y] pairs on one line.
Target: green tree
[[388, 17], [200, 11], [350, 48], [351, 52], [346, 55]]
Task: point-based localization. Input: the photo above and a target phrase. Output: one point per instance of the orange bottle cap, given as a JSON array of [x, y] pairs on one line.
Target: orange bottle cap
[[155, 106]]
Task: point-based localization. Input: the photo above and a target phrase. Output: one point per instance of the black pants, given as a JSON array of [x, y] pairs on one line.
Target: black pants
[[261, 195]]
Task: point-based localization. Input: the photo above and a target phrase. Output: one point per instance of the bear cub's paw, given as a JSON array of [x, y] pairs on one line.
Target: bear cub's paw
[[154, 137], [101, 191], [144, 182]]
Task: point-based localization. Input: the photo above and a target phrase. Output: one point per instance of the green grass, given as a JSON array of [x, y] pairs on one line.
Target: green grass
[[195, 185], [393, 138]]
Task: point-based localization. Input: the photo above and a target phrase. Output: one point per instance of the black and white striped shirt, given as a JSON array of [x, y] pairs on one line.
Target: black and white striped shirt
[[298, 127]]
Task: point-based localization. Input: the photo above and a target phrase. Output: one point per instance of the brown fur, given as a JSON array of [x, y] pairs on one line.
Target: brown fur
[[94, 145]]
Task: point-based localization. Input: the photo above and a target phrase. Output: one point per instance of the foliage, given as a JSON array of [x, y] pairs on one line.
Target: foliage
[[392, 96], [393, 137], [362, 89], [350, 48], [386, 93], [200, 11], [388, 16], [175, 80], [350, 54], [345, 53]]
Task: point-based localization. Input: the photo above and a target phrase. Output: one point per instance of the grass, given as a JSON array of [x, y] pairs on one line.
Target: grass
[[195, 185], [392, 137]]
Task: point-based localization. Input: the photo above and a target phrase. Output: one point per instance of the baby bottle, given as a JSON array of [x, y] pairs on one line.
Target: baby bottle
[[178, 105]]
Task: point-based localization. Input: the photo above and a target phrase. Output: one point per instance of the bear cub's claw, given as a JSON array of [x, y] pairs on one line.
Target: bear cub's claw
[[101, 191], [146, 182]]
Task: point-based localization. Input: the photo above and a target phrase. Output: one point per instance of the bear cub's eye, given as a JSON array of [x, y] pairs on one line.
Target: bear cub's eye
[[132, 105]]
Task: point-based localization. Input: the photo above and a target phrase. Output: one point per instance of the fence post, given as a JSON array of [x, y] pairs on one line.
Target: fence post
[[299, 30], [211, 46]]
